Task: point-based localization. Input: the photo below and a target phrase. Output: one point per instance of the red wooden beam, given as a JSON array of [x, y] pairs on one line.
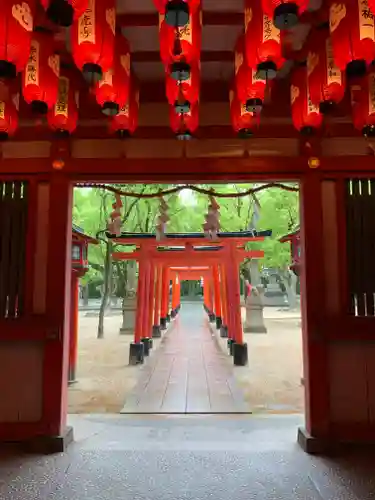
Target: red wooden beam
[[152, 19]]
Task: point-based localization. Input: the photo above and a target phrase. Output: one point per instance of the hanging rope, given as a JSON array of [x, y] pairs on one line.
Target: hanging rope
[[192, 187]]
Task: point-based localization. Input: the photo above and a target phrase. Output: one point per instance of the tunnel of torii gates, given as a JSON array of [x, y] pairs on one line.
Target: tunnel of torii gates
[[188, 256]]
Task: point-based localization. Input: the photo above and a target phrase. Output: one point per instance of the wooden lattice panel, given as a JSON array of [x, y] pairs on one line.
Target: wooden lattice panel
[[13, 214], [360, 242]]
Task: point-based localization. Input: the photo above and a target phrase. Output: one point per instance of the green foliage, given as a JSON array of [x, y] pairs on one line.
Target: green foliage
[[279, 212]]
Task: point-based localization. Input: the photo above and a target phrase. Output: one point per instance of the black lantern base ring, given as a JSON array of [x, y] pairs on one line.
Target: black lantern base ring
[[4, 136], [184, 136], [327, 107], [245, 133], [368, 131], [60, 12], [39, 107], [123, 134], [177, 13], [182, 107], [285, 16], [254, 105], [92, 73], [62, 134], [356, 68], [180, 71], [266, 70], [307, 131], [7, 69], [110, 108]]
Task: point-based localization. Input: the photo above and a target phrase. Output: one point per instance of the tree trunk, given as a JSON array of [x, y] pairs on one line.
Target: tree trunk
[[106, 288], [85, 293]]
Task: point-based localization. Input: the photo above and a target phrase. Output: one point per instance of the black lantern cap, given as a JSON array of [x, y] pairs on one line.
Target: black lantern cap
[[245, 133], [60, 12], [368, 131], [285, 16], [7, 69], [356, 68], [182, 107], [62, 134], [123, 133], [254, 105], [92, 73], [307, 131], [110, 108], [39, 107], [266, 70], [184, 136], [177, 13], [180, 71]]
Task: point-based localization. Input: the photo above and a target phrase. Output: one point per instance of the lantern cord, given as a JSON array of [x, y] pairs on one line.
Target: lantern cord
[[177, 189]]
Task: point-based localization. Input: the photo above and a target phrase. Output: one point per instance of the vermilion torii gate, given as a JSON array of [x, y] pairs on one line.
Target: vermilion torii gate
[[176, 254]]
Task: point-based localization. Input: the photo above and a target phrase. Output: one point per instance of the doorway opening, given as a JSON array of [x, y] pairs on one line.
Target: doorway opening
[[272, 380]]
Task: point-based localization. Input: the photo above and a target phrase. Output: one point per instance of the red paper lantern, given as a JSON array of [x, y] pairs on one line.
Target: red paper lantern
[[93, 38], [63, 117], [180, 46], [306, 116], [363, 104], [16, 26], [177, 12], [181, 93], [8, 119], [262, 41], [63, 12], [112, 92], [325, 79], [353, 35], [284, 13], [184, 124], [126, 121], [41, 76], [249, 88], [244, 122]]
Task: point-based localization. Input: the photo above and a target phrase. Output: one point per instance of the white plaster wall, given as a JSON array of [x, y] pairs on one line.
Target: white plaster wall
[[21, 381]]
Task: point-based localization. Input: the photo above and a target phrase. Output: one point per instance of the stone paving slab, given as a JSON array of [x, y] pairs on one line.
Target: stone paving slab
[[188, 373]]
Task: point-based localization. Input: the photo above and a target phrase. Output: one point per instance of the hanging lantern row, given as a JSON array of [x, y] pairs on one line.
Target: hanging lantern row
[[103, 58], [180, 46]]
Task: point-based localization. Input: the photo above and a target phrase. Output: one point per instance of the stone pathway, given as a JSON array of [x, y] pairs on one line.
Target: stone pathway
[[188, 373]]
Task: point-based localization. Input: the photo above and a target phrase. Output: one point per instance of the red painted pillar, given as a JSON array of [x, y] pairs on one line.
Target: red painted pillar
[[58, 286], [156, 332], [238, 347], [178, 294], [210, 304], [217, 295], [73, 337], [146, 303], [151, 300], [224, 327], [164, 297], [205, 293], [136, 349], [313, 286], [175, 282]]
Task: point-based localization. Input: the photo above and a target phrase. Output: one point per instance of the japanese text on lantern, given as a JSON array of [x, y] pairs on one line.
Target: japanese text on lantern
[[371, 85], [333, 72], [337, 12], [238, 61], [31, 72], [107, 78], [2, 110], [184, 33], [366, 21], [61, 106], [22, 13], [269, 30], [311, 107], [124, 111], [86, 24]]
